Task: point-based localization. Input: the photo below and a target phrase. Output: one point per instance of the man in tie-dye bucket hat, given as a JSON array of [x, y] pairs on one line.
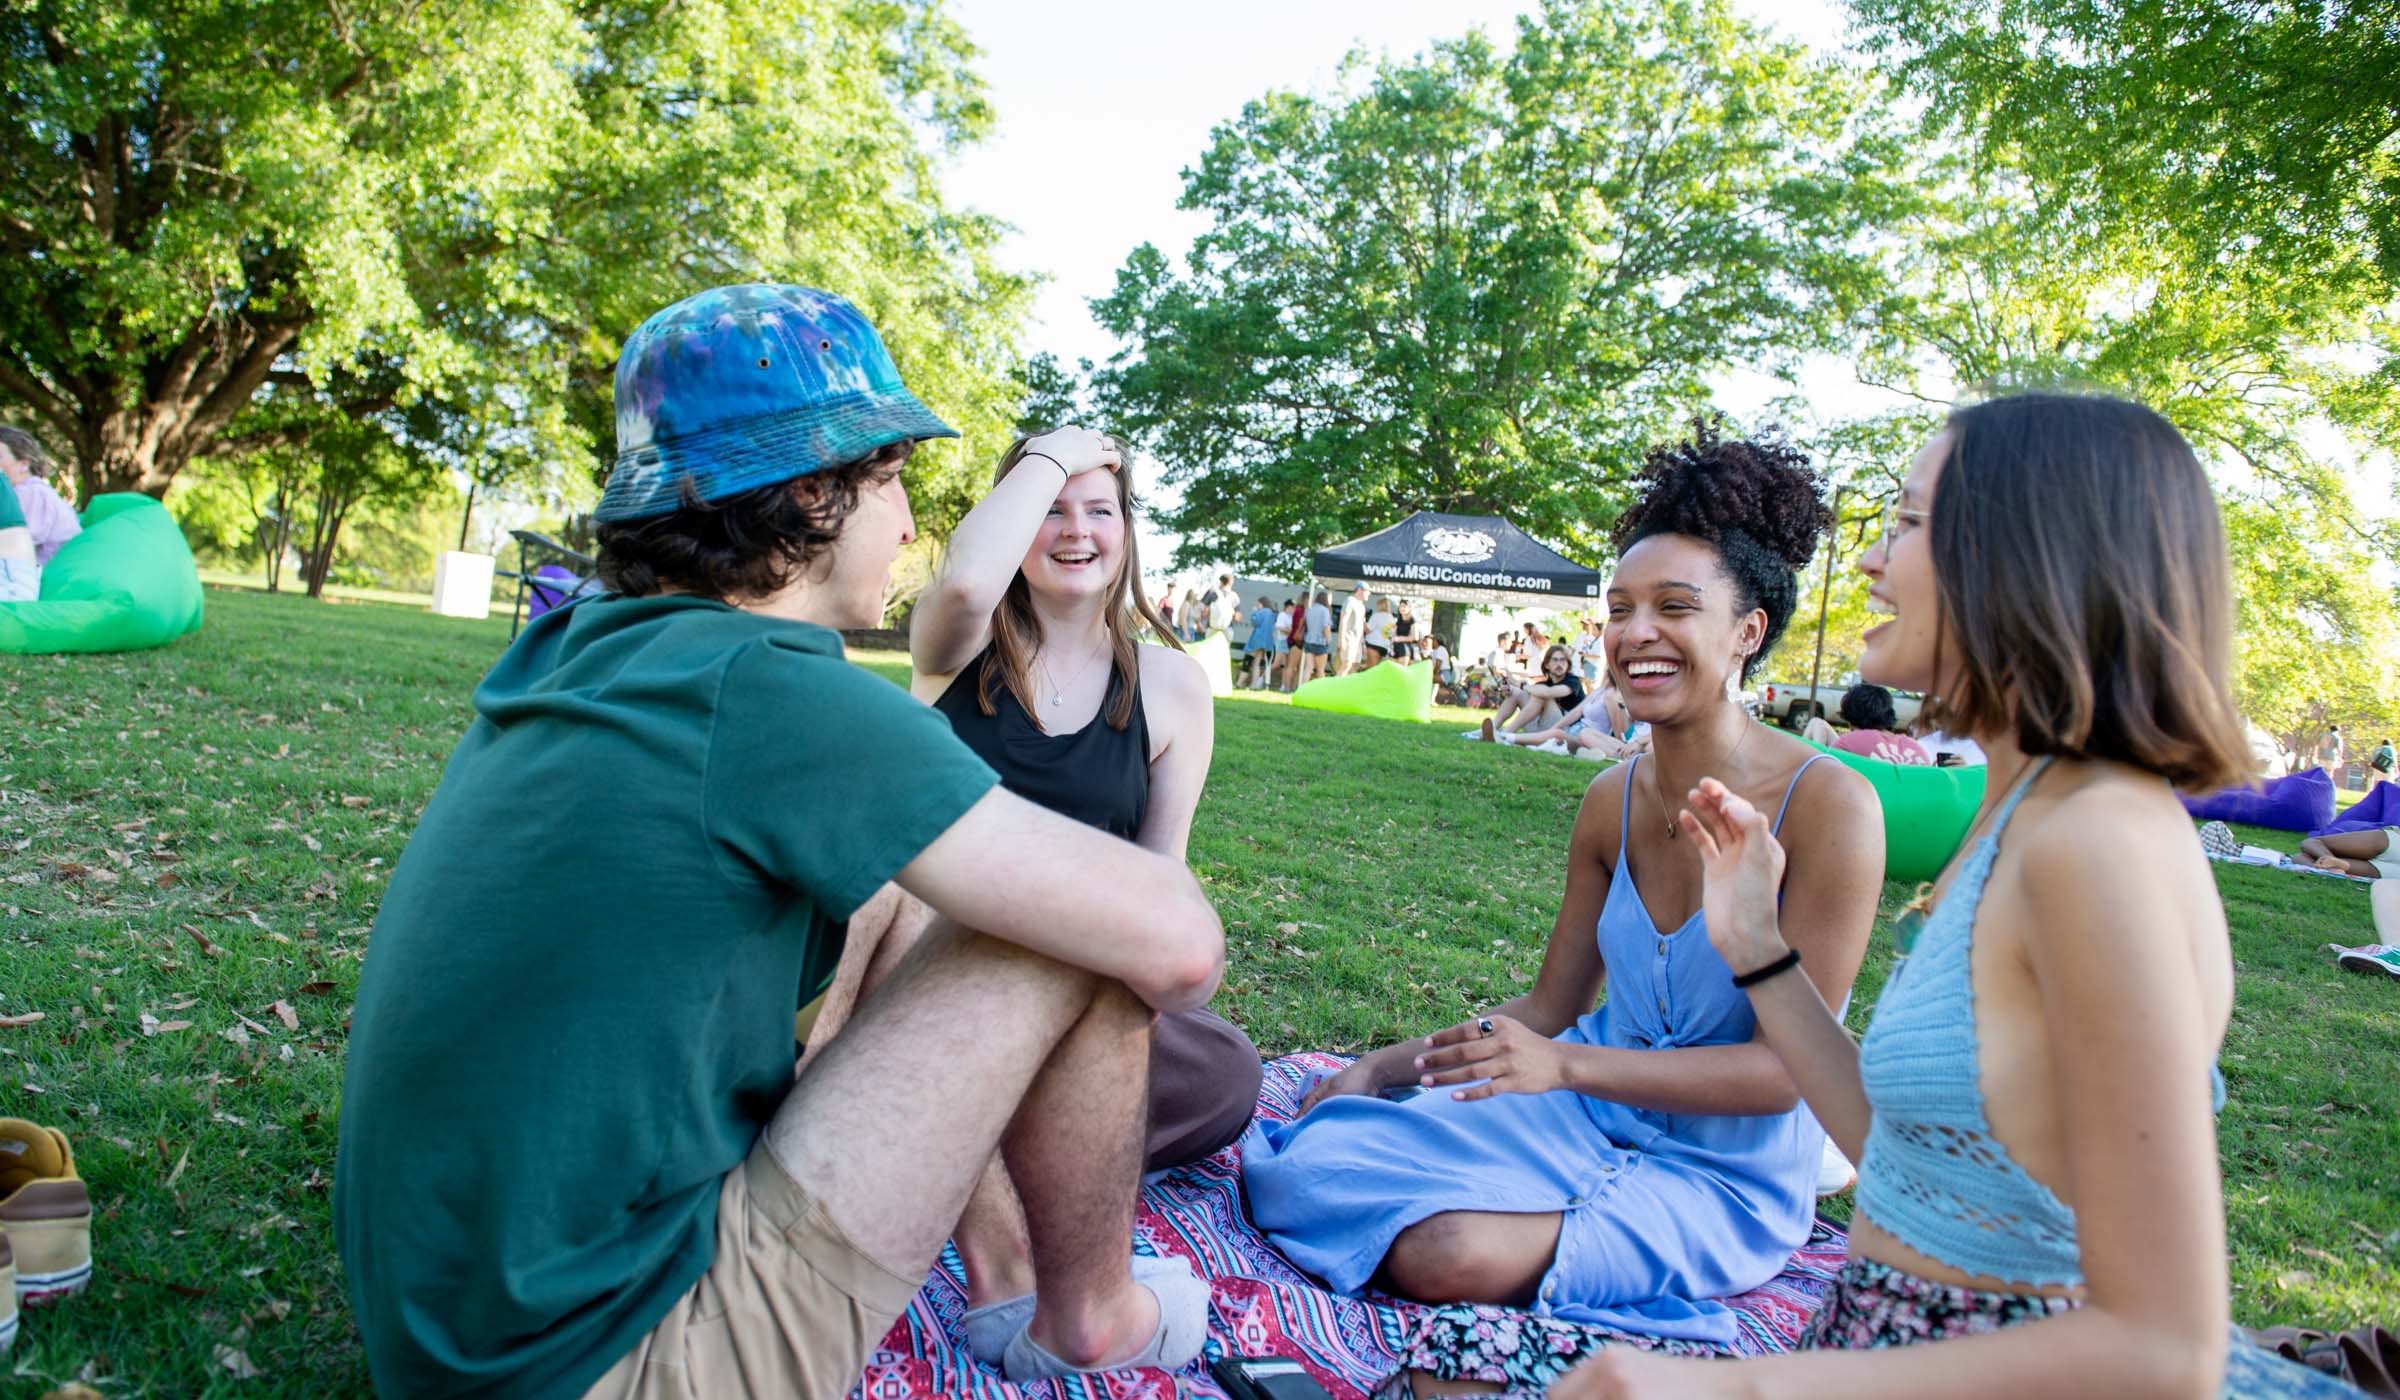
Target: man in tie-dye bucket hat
[[575, 1158]]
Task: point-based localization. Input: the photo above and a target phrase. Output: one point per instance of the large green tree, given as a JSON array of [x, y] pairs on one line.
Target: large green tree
[[442, 216], [2273, 124], [1474, 283]]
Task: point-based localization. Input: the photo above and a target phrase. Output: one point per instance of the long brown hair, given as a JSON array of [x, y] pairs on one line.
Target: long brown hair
[[1016, 632], [2082, 571]]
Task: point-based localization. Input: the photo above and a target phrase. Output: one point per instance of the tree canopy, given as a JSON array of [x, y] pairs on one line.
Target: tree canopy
[[1479, 284], [442, 217]]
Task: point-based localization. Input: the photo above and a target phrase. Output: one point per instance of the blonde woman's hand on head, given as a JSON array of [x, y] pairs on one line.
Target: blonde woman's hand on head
[[1741, 865], [1078, 450]]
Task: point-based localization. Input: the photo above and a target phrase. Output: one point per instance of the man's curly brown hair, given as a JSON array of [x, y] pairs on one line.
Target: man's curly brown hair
[[748, 545], [1755, 500]]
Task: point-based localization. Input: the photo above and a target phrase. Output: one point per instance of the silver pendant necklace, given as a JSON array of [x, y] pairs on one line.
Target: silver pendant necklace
[[1058, 695]]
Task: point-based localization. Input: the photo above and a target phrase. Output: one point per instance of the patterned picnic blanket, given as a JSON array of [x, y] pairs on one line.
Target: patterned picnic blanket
[[1262, 1305]]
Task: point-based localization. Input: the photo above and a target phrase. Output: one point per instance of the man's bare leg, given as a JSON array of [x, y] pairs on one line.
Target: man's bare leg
[[1079, 1187], [990, 1234], [894, 1122]]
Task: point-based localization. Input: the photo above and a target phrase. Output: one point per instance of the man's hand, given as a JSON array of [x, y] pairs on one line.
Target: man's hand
[[1509, 1056]]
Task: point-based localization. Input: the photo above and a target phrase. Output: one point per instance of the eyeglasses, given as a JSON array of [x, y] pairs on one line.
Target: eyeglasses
[[1896, 521]]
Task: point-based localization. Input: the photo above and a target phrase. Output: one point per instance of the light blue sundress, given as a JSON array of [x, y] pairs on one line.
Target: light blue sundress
[[1663, 1213]]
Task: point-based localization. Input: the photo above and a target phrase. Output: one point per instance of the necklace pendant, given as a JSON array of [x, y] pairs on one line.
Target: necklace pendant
[[1057, 700]]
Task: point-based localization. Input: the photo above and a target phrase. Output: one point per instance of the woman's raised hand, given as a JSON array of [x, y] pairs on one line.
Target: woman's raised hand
[[1078, 450], [1741, 866]]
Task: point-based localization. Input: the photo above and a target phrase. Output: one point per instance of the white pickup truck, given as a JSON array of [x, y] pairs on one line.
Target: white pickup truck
[[1792, 703]]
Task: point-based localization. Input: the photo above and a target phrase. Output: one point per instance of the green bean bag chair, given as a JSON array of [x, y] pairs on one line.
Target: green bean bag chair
[[1388, 691], [127, 582], [1215, 655], [1926, 811]]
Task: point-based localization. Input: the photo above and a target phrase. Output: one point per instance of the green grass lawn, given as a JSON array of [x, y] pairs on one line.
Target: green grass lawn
[[192, 842]]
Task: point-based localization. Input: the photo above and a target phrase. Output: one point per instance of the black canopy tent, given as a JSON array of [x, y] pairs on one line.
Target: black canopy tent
[[1480, 559]]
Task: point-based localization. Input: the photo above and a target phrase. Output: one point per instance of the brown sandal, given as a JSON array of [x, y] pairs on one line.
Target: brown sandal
[[2371, 1361], [2309, 1346]]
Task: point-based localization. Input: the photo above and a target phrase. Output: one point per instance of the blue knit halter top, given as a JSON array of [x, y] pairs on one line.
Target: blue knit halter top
[[1933, 1175]]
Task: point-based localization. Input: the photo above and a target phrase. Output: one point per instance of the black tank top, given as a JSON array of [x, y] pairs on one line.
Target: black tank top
[[1097, 775]]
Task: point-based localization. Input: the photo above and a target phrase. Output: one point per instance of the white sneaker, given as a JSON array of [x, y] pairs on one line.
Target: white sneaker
[[1834, 1172], [1552, 746]]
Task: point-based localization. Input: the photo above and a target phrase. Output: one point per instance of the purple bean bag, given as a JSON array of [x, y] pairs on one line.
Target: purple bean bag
[[2378, 809], [2300, 802]]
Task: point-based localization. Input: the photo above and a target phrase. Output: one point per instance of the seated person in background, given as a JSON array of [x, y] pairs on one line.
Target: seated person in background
[[1874, 728], [1445, 671], [20, 576], [1599, 728], [1948, 750], [1622, 1161], [47, 515], [2370, 855], [575, 1159], [1540, 703]]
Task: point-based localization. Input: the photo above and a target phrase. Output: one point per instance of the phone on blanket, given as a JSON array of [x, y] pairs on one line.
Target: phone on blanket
[[1266, 1378]]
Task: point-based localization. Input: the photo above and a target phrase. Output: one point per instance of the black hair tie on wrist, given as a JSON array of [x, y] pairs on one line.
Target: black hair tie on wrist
[[1789, 960]]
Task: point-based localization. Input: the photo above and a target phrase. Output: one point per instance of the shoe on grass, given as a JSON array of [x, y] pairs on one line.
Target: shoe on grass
[[8, 1297], [2382, 960], [1834, 1172], [45, 1212]]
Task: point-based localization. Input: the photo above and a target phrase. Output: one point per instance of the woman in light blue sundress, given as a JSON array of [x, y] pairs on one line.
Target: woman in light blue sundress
[[1629, 1163], [2039, 1207]]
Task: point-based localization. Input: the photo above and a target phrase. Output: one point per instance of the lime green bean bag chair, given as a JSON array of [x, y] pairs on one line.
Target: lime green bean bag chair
[[1926, 812], [127, 582], [1388, 691], [1215, 655]]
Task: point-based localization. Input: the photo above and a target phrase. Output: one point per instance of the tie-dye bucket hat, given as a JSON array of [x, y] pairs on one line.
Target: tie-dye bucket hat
[[744, 386]]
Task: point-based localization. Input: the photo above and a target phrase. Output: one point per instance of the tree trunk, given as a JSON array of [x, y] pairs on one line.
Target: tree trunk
[[332, 506], [467, 517], [1449, 619]]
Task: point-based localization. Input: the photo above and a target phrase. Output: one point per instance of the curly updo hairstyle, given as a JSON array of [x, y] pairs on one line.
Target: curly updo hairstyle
[[1756, 501]]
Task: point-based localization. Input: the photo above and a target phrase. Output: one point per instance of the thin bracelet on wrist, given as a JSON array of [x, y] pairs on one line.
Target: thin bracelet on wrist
[[1063, 474], [1789, 960]]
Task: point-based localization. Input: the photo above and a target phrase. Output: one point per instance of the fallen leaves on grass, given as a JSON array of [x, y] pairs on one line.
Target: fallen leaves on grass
[[284, 1013], [26, 1018], [237, 1361]]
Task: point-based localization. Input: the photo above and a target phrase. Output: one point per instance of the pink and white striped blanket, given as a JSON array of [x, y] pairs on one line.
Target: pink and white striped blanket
[[1262, 1305]]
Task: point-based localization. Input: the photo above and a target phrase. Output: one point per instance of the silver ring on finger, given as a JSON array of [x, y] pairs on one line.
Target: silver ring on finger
[[1484, 1024]]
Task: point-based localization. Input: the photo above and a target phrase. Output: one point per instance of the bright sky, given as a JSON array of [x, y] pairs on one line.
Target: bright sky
[[1101, 106]]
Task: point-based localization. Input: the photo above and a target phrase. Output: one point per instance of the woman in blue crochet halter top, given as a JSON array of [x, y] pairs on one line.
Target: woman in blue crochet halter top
[[2039, 1211]]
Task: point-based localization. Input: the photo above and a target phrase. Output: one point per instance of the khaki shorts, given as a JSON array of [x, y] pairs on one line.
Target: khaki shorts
[[789, 1307]]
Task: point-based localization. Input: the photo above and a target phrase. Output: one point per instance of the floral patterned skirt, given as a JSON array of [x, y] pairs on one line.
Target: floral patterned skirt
[[1875, 1305], [1869, 1305]]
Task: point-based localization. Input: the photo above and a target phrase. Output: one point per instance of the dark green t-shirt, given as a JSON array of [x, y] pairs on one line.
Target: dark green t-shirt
[[576, 1011], [12, 511]]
